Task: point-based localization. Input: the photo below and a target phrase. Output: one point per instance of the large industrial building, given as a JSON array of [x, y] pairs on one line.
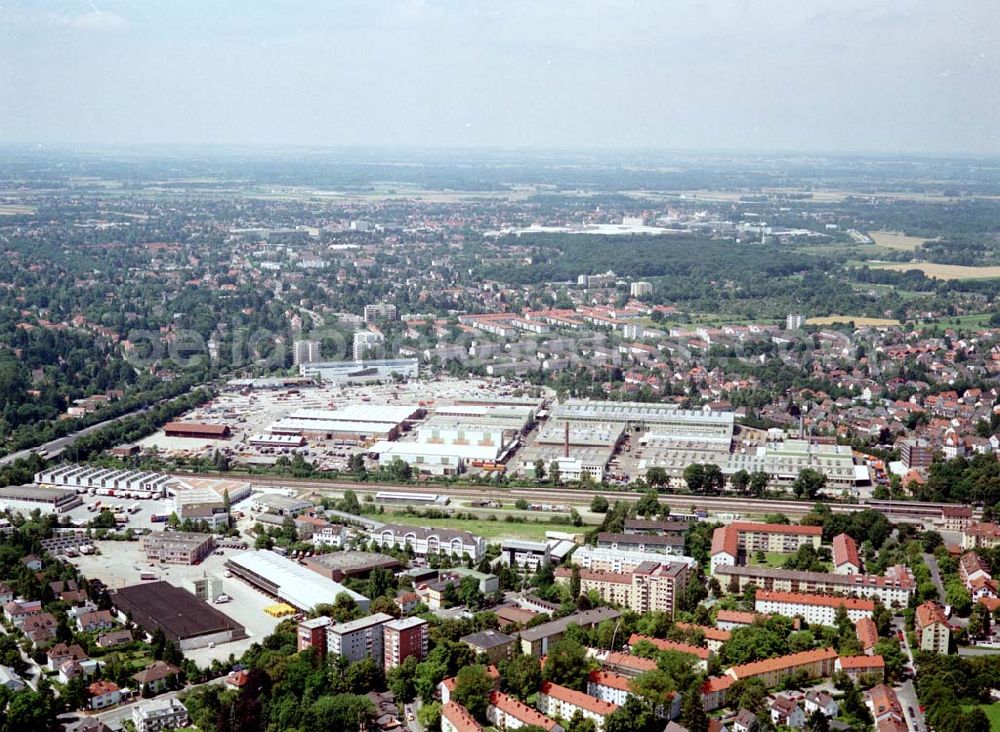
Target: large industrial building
[[289, 581], [355, 424], [660, 419], [361, 372], [177, 547], [28, 497], [456, 438], [143, 484], [337, 566], [183, 618]]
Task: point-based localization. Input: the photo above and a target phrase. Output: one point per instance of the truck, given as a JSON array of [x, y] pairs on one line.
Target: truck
[[134, 508], [158, 518], [147, 576]]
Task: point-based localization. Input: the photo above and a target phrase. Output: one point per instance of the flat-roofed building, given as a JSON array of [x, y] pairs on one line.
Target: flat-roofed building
[[358, 639], [340, 565], [525, 555], [312, 634], [604, 559], [403, 638], [154, 715], [651, 586], [289, 581], [197, 430], [29, 497], [183, 618], [280, 505], [177, 547], [643, 543], [361, 372]]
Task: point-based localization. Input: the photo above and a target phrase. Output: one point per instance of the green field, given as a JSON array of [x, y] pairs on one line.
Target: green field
[[771, 559], [775, 560], [993, 712], [488, 529]]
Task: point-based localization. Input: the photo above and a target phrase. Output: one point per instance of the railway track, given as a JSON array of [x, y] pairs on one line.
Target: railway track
[[713, 504]]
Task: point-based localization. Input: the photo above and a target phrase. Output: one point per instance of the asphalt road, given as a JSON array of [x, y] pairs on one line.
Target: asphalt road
[[932, 565], [114, 717], [55, 447]]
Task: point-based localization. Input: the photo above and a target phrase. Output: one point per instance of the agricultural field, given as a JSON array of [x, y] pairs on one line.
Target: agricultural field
[[856, 319], [896, 240], [9, 209], [941, 271]]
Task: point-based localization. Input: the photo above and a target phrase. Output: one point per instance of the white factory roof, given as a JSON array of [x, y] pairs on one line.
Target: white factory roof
[[295, 584], [358, 413], [332, 425], [466, 452], [639, 411]]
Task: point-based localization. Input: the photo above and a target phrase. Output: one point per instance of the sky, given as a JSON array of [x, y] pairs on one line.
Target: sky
[[906, 76]]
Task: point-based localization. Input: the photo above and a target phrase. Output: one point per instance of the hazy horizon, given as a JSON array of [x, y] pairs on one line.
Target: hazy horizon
[[726, 77]]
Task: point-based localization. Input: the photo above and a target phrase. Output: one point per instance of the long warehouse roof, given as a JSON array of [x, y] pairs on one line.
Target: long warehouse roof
[[294, 583]]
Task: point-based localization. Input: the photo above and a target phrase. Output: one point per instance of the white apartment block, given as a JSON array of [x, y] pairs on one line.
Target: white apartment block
[[156, 715], [358, 639], [620, 560], [814, 609]]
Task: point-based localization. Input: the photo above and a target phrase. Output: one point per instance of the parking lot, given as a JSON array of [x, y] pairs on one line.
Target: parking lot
[[120, 563]]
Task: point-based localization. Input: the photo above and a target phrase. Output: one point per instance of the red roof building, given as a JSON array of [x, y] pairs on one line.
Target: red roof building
[[845, 555]]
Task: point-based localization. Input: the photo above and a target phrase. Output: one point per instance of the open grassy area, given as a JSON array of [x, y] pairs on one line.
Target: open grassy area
[[771, 559], [775, 560], [856, 319], [941, 271], [993, 712], [499, 529], [896, 240]]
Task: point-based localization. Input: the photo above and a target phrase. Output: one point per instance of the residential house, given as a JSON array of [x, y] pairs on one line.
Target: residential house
[[95, 620], [103, 694], [157, 676], [10, 680], [787, 713], [821, 701], [60, 653], [114, 638]]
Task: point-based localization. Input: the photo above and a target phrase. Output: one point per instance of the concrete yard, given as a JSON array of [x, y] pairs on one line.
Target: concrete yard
[[121, 562]]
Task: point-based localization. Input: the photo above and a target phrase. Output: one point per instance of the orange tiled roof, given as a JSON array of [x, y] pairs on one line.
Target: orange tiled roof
[[459, 716], [577, 698], [666, 645], [791, 661], [802, 598]]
